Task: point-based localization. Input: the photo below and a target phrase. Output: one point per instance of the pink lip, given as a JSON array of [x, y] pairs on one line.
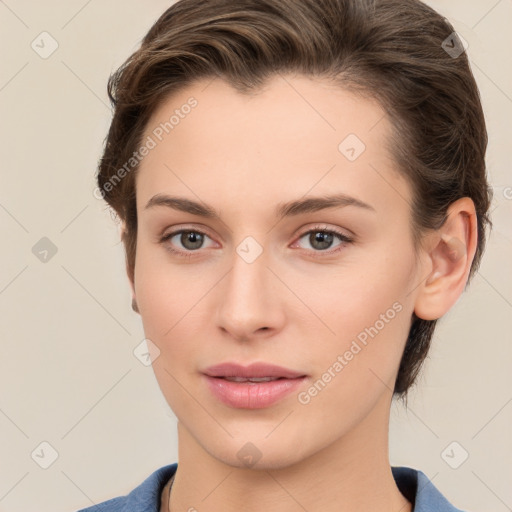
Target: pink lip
[[253, 370], [252, 395], [247, 395]]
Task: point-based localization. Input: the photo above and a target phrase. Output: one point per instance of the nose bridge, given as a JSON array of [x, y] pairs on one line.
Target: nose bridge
[[248, 302]]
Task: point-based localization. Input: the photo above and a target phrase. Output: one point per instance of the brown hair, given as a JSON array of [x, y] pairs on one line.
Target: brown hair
[[397, 51]]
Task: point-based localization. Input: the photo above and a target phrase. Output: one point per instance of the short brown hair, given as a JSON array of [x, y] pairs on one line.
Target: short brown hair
[[393, 50]]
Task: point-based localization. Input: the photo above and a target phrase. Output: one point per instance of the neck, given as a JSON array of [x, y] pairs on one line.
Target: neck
[[351, 473]]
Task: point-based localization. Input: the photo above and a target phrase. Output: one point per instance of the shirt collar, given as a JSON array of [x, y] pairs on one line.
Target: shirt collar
[[420, 491], [412, 483]]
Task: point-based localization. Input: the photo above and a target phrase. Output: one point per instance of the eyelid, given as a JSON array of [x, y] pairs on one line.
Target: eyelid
[[350, 235], [183, 227]]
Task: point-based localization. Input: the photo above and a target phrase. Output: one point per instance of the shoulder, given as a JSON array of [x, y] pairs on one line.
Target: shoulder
[[144, 498], [420, 491]]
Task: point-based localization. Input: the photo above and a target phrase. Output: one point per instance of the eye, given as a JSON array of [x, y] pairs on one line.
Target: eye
[[321, 238], [190, 239]]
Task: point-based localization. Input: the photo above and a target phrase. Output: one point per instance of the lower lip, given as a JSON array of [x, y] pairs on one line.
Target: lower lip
[[252, 395]]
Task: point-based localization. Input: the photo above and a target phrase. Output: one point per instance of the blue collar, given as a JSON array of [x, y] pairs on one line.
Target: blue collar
[[412, 483]]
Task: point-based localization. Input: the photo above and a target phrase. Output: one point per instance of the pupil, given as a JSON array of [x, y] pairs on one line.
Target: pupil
[[325, 239], [191, 237]]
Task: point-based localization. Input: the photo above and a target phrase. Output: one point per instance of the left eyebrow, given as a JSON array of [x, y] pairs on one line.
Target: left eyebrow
[[282, 210], [314, 204]]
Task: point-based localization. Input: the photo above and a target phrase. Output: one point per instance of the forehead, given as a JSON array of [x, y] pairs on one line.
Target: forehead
[[287, 106], [295, 135]]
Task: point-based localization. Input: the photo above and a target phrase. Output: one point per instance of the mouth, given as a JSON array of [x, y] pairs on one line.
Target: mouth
[[255, 372], [254, 380], [256, 386]]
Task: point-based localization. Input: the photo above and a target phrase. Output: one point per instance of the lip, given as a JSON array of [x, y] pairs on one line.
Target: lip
[[247, 395], [252, 395], [253, 370]]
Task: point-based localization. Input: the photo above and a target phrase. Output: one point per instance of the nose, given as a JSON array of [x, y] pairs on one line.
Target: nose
[[250, 299]]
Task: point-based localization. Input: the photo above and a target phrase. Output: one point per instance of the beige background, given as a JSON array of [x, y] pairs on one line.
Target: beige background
[[68, 375]]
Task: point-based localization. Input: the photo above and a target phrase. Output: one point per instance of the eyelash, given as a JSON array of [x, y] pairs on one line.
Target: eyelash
[[190, 254]]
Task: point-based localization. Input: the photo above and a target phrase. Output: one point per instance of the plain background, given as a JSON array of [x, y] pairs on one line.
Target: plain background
[[68, 374]]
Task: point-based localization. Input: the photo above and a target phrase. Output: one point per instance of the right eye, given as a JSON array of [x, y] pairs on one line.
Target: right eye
[[190, 239]]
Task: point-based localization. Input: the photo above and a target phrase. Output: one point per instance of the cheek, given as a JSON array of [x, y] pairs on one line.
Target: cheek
[[365, 314], [161, 287], [169, 307], [357, 365], [353, 295], [172, 302], [161, 294]]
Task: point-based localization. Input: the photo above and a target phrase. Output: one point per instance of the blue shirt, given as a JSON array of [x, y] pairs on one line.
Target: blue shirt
[[412, 483]]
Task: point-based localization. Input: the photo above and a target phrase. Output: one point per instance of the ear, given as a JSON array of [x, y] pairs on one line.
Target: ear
[[123, 232], [450, 252]]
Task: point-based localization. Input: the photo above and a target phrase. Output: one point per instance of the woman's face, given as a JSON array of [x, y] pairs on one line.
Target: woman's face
[[325, 292]]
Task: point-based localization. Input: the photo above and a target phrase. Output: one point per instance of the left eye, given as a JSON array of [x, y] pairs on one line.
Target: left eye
[[321, 239]]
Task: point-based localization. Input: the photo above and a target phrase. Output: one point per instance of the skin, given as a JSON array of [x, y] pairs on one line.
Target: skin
[[243, 155]]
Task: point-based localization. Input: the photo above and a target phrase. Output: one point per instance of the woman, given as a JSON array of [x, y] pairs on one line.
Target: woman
[[302, 192]]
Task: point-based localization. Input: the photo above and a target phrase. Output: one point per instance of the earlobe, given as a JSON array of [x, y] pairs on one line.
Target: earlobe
[[135, 307], [450, 255]]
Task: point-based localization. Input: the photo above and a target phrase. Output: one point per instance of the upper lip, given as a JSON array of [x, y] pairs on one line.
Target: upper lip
[[253, 370]]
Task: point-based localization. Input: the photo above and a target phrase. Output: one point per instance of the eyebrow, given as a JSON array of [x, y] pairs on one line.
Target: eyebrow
[[282, 210]]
